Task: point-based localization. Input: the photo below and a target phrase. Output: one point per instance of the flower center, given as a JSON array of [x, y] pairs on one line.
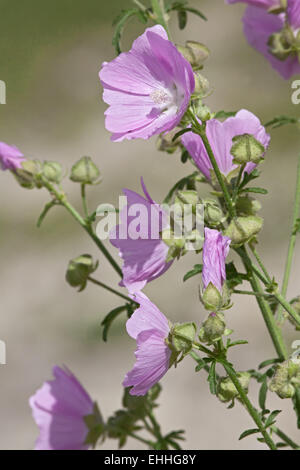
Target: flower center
[[168, 98], [161, 97]]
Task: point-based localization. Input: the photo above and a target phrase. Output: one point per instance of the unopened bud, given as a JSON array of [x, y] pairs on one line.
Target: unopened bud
[[246, 205], [27, 176], [186, 201], [85, 172], [201, 85], [227, 391], [181, 337], [211, 298], [243, 229], [246, 149], [213, 214], [176, 245], [199, 52], [213, 328], [286, 379], [165, 141], [79, 270], [52, 171]]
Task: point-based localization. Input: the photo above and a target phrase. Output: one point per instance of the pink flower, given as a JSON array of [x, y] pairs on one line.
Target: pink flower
[[215, 251], [220, 135], [150, 328], [148, 89], [59, 408], [138, 240], [10, 157], [293, 13]]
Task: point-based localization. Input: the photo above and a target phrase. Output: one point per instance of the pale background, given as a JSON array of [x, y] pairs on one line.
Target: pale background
[[51, 52]]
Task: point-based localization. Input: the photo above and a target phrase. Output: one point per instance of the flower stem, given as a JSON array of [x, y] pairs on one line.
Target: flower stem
[[266, 311], [159, 11], [141, 439], [61, 198], [200, 129], [258, 259], [84, 203], [251, 410], [291, 248], [285, 438], [110, 289]]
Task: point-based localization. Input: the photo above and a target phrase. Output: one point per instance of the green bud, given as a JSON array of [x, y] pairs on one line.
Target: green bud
[[96, 426], [201, 85], [286, 379], [181, 337], [120, 425], [165, 142], [79, 270], [211, 298], [246, 149], [203, 112], [184, 199], [85, 172], [213, 328], [213, 214], [281, 43], [52, 171], [243, 229], [199, 52], [226, 390], [187, 53], [176, 245], [246, 205], [27, 176]]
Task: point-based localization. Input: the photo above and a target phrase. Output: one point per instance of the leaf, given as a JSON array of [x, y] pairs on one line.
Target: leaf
[[182, 19], [235, 343], [224, 114], [263, 395], [196, 270], [120, 22], [269, 362], [185, 156], [233, 277], [110, 317], [282, 120], [196, 12], [271, 418], [181, 184], [248, 432], [212, 378], [255, 190], [182, 6], [249, 177]]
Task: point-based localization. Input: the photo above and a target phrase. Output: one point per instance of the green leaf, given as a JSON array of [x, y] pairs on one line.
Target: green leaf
[[269, 362], [224, 114], [120, 22], [233, 277], [185, 156], [196, 12], [110, 317], [282, 121], [181, 132], [196, 270], [271, 418], [249, 177], [248, 432], [255, 190], [212, 378], [236, 343], [182, 19], [263, 395]]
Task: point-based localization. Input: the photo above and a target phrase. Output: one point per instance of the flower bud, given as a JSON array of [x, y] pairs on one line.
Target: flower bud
[[52, 171], [246, 205], [213, 214], [243, 229], [85, 172], [246, 149], [199, 52], [120, 425], [281, 43], [213, 328], [286, 379], [79, 270], [201, 85], [27, 176], [185, 200], [176, 245], [181, 337], [165, 141], [226, 390], [211, 298]]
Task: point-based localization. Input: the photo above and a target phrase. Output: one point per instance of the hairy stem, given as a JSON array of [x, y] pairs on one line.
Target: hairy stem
[[159, 11], [110, 289]]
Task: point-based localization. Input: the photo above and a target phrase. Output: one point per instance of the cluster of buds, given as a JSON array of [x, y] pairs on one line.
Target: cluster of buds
[[284, 43], [226, 390], [180, 340], [33, 172], [243, 229], [213, 328], [79, 269], [286, 379]]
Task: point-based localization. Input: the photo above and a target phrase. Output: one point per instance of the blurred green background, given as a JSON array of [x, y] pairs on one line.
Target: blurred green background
[[51, 52]]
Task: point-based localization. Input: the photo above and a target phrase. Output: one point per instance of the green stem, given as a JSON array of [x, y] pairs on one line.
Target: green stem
[[159, 11], [251, 410], [110, 289], [236, 189], [248, 292], [258, 259], [141, 439], [200, 129], [285, 438], [291, 248], [266, 311], [84, 203], [63, 201]]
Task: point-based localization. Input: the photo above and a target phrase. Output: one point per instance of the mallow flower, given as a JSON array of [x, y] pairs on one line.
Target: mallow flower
[[11, 157], [150, 328], [59, 409], [139, 241], [215, 250], [148, 89], [220, 135], [274, 35]]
